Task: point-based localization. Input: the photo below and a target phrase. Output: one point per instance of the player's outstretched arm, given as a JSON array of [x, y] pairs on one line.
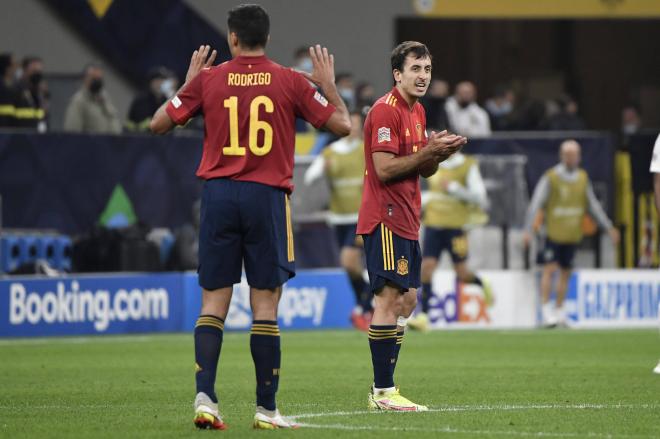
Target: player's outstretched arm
[[441, 145], [162, 123], [323, 75]]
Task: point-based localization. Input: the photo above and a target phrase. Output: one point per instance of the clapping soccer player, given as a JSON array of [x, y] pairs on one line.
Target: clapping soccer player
[[397, 151], [249, 105]]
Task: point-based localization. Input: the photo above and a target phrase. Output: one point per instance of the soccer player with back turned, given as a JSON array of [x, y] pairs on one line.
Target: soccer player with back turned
[[397, 151], [249, 105]]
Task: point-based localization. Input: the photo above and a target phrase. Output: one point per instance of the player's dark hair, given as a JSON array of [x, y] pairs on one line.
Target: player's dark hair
[[401, 52], [251, 25]]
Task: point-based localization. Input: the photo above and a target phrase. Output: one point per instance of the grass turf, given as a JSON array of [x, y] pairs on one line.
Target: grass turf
[[566, 384]]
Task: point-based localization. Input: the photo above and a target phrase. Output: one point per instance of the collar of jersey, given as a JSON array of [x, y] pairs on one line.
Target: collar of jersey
[[400, 101], [250, 59]]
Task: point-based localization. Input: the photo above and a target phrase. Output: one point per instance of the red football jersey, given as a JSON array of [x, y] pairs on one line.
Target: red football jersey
[[392, 126], [249, 105]]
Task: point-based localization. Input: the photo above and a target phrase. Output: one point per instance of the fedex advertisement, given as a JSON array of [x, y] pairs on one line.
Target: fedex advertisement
[[455, 304], [613, 298]]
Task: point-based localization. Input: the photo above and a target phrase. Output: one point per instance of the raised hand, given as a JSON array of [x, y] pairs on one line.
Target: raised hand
[[200, 59], [323, 66]]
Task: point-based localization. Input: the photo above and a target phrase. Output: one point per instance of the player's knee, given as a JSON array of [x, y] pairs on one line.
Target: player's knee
[[409, 304], [389, 303], [350, 261]]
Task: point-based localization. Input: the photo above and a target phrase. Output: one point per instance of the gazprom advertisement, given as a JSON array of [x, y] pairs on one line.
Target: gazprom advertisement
[[119, 304], [613, 298]]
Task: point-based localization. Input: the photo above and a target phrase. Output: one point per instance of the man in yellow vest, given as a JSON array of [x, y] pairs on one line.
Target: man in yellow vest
[[342, 162], [565, 195], [455, 201], [655, 170]]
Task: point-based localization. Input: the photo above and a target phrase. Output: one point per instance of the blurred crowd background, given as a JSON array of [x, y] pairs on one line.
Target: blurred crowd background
[[516, 82]]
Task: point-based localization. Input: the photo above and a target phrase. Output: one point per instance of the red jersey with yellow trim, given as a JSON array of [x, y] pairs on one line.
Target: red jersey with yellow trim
[[392, 126], [250, 105]]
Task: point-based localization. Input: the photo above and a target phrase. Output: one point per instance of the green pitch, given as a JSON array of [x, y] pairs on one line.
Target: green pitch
[[563, 384]]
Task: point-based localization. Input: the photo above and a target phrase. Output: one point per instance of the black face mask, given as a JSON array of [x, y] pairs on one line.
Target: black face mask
[[463, 104], [95, 86], [36, 78]]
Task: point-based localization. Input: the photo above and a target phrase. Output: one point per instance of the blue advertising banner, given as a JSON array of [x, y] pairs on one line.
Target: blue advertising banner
[[143, 303], [312, 299], [75, 305], [613, 298]]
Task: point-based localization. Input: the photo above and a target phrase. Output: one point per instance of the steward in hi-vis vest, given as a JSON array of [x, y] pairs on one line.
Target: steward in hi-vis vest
[[342, 165], [455, 201], [565, 195]]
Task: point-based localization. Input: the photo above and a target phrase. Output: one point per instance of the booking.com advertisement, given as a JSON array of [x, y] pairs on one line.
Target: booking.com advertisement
[[90, 305], [613, 298], [120, 304]]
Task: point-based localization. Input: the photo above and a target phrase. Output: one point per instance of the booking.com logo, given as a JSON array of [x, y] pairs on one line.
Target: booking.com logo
[[465, 304], [79, 306]]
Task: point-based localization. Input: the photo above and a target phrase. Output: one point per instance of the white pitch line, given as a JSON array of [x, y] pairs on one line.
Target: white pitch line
[[467, 408], [76, 340], [508, 433]]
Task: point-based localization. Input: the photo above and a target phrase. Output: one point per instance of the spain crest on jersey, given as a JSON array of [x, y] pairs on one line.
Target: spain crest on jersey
[[402, 267]]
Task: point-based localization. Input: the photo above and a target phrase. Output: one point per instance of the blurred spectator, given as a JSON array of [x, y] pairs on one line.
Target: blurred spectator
[[434, 103], [8, 91], [162, 85], [631, 121], [567, 119], [365, 95], [302, 62], [530, 115], [500, 108], [301, 59], [33, 95], [346, 89], [90, 109], [465, 116]]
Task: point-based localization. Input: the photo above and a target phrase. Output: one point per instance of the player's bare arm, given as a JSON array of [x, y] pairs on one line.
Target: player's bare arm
[[323, 75], [161, 123], [441, 145]]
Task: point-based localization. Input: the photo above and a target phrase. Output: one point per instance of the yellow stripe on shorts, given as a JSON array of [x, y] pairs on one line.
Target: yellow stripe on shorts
[[387, 243], [383, 241], [289, 231]]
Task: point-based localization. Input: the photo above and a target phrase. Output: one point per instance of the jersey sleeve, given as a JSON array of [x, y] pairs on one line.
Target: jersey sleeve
[[384, 129], [187, 102], [310, 103], [655, 161]]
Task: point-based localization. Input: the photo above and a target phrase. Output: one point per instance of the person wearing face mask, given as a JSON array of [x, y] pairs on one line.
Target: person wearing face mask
[[161, 86], [500, 108], [31, 110], [466, 117], [566, 195], [346, 88], [90, 109]]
